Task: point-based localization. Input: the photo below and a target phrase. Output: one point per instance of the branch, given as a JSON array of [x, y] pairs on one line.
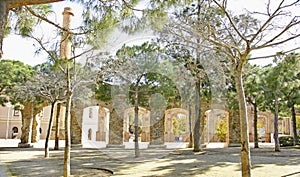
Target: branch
[[42, 46], [230, 20], [271, 17], [130, 6], [52, 23], [19, 3], [274, 55]]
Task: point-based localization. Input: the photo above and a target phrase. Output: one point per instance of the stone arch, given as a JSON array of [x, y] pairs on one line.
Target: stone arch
[[144, 124], [266, 121], [95, 124], [89, 122], [183, 81], [216, 126], [169, 131]]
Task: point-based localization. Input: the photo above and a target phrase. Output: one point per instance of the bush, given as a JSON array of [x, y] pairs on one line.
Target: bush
[[287, 140]]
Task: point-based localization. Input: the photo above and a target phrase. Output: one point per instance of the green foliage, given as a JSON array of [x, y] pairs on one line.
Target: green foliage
[[23, 22], [13, 73], [287, 140], [179, 124], [283, 80], [103, 91], [222, 129]]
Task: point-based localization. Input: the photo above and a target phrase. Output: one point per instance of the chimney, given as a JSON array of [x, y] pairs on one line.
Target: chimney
[[65, 45]]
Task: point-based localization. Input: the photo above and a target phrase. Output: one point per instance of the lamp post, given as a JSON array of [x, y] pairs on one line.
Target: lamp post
[[7, 121]]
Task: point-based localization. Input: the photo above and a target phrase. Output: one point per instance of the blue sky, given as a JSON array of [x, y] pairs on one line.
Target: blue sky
[[22, 49]]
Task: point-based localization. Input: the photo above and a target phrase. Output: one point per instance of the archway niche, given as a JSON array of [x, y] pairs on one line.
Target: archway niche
[[265, 126], [95, 124], [176, 125], [216, 126], [144, 124]]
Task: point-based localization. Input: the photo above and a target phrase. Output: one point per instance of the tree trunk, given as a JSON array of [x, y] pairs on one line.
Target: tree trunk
[[255, 126], [136, 123], [3, 21], [245, 148], [26, 123], [67, 159], [276, 140], [56, 146], [49, 130], [294, 124], [190, 145], [197, 135]]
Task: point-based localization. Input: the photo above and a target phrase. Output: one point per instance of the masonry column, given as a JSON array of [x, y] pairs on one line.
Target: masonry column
[[65, 45], [234, 129], [157, 121], [116, 122]]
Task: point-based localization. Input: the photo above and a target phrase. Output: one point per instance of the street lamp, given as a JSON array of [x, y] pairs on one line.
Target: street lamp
[[7, 121]]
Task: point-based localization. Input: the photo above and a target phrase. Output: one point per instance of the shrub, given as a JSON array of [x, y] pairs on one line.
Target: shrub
[[287, 140]]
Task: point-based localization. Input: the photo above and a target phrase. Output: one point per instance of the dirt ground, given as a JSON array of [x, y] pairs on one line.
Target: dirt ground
[[212, 162]]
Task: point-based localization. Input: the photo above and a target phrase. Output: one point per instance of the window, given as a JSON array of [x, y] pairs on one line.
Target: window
[[16, 112], [91, 113], [90, 134]]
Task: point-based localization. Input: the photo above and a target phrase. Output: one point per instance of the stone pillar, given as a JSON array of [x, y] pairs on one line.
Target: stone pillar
[[116, 122], [234, 129], [115, 131], [157, 129], [76, 125], [65, 45], [157, 121]]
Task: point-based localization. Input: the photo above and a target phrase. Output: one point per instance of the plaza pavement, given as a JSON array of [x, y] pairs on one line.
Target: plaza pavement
[[96, 160]]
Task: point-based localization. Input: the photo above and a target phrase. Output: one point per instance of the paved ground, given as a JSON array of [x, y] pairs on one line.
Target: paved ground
[[213, 162]]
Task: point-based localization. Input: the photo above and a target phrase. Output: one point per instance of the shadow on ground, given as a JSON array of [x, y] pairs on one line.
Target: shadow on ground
[[152, 162]]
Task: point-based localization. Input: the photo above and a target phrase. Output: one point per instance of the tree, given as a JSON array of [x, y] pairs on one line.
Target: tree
[[254, 93], [235, 37], [289, 86], [12, 73], [13, 85], [272, 82], [133, 65], [49, 85]]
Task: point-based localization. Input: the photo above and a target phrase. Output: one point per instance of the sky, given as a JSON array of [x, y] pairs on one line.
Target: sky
[[18, 48]]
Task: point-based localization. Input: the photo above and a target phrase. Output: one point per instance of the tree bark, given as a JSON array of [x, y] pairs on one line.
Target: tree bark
[[190, 145], [26, 123], [49, 130], [294, 124], [276, 140], [136, 123], [3, 21], [255, 126], [245, 148], [197, 135], [67, 159], [56, 146]]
